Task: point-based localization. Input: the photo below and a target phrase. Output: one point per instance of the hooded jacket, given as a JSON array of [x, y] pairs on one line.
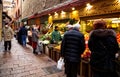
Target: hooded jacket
[[103, 46]]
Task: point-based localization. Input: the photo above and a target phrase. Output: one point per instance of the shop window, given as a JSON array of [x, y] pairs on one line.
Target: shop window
[[112, 23]]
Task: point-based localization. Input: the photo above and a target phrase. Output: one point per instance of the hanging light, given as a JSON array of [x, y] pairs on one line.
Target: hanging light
[[62, 12], [118, 0], [88, 6], [73, 8], [56, 13]]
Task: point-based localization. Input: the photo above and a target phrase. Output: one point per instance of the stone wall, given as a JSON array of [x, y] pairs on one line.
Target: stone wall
[[33, 6]]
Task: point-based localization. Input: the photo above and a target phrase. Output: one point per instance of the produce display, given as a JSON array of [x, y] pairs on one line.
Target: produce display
[[86, 54], [118, 38], [46, 38], [46, 42], [47, 35], [58, 47]]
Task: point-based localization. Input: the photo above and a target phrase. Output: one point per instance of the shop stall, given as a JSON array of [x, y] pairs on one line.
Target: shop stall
[[108, 10]]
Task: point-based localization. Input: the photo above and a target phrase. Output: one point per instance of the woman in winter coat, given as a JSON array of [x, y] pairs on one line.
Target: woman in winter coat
[[103, 46]]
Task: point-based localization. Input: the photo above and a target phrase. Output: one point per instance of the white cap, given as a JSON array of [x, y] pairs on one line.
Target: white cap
[[76, 25], [69, 26]]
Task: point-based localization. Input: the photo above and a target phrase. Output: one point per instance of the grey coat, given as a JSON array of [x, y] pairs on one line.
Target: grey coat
[[35, 36]]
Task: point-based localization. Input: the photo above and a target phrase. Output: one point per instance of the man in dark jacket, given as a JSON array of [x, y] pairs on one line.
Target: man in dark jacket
[[73, 45], [103, 46], [23, 33]]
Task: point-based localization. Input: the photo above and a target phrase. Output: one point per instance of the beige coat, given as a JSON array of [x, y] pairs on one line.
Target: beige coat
[[8, 33]]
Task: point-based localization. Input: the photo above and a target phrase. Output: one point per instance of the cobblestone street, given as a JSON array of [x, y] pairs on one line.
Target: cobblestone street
[[21, 62]]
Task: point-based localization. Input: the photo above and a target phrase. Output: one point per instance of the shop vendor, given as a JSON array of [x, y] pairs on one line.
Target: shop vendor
[[56, 36]]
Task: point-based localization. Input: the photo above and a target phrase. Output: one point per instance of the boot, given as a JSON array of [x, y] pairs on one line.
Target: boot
[[34, 51]]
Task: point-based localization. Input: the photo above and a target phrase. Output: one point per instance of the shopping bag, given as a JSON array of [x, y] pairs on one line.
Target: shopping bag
[[27, 40], [39, 48], [60, 63]]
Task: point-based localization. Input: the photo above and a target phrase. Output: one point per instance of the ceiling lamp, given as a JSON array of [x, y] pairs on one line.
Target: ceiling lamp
[[73, 8], [88, 6]]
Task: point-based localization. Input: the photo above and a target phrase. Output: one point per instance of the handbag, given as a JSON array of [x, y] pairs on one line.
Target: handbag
[[60, 63]]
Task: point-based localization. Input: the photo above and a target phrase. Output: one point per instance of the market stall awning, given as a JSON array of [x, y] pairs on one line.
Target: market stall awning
[[24, 19], [63, 6]]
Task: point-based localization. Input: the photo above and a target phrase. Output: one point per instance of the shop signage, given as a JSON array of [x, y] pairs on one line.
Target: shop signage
[[101, 7]]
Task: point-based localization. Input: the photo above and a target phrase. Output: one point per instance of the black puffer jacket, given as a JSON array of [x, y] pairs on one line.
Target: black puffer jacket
[[103, 46], [73, 45]]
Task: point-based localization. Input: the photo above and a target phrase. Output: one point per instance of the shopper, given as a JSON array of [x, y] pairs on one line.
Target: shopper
[[56, 36], [30, 36], [103, 46], [35, 37], [8, 34], [69, 27], [19, 36], [23, 33], [73, 45]]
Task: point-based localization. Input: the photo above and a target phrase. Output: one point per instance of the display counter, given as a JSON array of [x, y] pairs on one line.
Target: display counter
[[54, 54], [85, 69]]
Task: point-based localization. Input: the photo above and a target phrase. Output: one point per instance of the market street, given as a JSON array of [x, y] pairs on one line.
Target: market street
[[21, 62]]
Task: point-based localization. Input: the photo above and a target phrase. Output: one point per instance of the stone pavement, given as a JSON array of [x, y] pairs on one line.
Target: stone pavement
[[21, 62]]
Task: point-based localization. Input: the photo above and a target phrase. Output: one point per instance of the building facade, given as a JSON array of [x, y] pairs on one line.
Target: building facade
[[0, 19], [35, 6]]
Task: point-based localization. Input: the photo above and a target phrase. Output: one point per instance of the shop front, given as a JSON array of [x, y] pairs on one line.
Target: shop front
[[108, 10]]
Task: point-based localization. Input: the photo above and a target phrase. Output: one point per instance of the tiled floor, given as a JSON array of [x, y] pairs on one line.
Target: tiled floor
[[21, 62]]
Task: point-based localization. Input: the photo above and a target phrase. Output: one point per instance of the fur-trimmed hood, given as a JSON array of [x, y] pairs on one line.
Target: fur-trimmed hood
[[103, 32]]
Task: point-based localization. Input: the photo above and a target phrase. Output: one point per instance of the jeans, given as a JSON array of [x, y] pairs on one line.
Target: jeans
[[24, 40]]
